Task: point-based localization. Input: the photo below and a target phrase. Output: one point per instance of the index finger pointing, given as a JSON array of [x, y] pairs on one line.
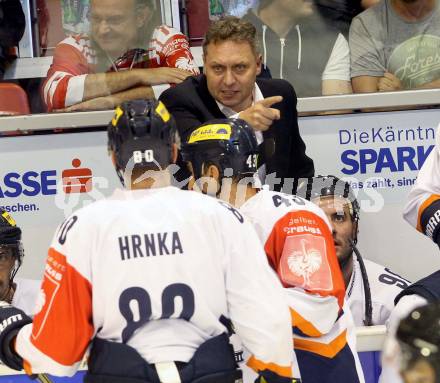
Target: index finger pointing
[[269, 101]]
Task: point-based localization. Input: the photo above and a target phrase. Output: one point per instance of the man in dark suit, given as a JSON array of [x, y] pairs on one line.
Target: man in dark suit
[[229, 88]]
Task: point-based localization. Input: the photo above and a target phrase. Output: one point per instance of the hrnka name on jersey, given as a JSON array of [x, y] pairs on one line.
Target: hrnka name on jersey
[[146, 245]]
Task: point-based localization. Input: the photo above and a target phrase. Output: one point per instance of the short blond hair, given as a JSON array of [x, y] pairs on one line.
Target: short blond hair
[[232, 28]]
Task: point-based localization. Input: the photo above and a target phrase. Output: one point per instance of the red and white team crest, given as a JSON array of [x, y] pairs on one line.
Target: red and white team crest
[[304, 263]]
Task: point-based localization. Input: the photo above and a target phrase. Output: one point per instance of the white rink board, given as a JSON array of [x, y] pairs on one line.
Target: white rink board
[[38, 163], [384, 236]]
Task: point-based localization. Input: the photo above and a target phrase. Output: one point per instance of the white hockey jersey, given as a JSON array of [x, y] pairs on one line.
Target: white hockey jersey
[[26, 293], [116, 266], [385, 285], [422, 209], [298, 242]]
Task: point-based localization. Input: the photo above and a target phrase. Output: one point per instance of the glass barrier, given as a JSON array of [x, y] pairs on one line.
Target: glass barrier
[[326, 47], [98, 52]]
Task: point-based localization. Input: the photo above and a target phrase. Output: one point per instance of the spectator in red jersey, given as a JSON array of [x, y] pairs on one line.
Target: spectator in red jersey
[[124, 58]]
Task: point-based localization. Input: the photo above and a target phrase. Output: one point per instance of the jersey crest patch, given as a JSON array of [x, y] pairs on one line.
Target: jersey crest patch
[[304, 263]]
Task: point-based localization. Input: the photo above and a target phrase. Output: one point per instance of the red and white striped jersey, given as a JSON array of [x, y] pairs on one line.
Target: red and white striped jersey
[[298, 241], [75, 57], [116, 267], [422, 209], [169, 47]]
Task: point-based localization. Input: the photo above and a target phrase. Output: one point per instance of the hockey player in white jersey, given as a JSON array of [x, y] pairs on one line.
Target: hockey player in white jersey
[[20, 292], [148, 277], [296, 234], [422, 209], [371, 288]]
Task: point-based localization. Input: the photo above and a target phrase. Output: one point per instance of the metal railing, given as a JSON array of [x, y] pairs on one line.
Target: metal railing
[[411, 99]]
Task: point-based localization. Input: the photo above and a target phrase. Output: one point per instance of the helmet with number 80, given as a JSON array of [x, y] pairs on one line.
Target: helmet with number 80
[[141, 136]]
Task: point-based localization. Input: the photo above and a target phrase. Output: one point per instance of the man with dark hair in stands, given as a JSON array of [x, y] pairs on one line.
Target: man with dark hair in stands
[[124, 58], [394, 45], [300, 47], [12, 26], [229, 88]]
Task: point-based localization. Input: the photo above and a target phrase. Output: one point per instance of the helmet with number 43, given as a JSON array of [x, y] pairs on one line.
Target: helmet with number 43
[[141, 134], [226, 143]]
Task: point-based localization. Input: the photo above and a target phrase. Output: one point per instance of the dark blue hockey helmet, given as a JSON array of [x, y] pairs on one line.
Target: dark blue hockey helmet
[[418, 336], [226, 143], [142, 131]]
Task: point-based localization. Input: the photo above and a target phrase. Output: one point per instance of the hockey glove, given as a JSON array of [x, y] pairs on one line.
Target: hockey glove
[[267, 376], [11, 321]]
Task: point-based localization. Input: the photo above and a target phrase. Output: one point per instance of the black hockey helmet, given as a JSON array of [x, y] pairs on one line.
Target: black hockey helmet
[[322, 186], [10, 241], [141, 131], [226, 143], [418, 336]]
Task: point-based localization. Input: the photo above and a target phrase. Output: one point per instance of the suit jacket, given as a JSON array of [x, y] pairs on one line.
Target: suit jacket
[[191, 104]]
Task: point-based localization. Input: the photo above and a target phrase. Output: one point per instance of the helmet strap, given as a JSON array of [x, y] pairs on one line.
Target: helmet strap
[[355, 231], [120, 174], [9, 293]]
